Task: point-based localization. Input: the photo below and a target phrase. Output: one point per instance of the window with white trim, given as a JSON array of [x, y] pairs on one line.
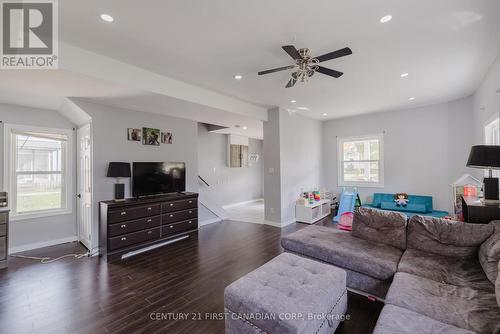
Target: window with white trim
[[360, 161], [38, 170], [492, 137]]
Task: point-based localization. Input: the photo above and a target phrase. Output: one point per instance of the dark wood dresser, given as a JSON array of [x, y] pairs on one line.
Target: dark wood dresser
[[477, 212], [4, 237], [136, 225]]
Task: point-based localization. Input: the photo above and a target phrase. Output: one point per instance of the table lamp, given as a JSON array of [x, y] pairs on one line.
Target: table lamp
[[119, 169], [486, 157]]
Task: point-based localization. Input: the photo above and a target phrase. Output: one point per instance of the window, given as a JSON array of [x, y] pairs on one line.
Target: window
[[360, 161], [38, 171], [492, 133], [492, 137]]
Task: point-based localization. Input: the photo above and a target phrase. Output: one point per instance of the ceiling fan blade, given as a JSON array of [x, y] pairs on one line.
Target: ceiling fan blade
[[276, 69], [327, 71], [335, 54], [291, 83], [292, 51]]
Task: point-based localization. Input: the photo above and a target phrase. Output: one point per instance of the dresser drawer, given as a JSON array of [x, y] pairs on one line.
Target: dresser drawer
[[3, 217], [134, 238], [179, 227], [3, 230], [178, 216], [179, 205], [133, 225], [3, 248], [134, 212]]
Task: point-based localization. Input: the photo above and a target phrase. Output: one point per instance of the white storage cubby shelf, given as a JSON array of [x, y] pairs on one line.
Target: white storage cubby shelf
[[311, 213]]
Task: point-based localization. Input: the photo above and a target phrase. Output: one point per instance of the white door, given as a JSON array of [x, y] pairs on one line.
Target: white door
[[85, 186]]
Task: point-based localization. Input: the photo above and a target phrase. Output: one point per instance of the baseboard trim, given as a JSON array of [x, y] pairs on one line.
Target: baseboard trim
[[241, 203], [35, 245], [280, 225], [291, 221], [209, 221]]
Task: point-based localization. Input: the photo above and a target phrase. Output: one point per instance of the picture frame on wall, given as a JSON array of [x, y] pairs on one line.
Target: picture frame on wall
[[151, 136], [166, 138], [134, 134]]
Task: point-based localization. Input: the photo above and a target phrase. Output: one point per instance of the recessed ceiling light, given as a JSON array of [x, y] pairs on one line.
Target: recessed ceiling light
[[404, 75], [293, 101], [411, 98], [325, 114], [244, 127], [238, 77], [303, 108], [386, 19], [107, 18]]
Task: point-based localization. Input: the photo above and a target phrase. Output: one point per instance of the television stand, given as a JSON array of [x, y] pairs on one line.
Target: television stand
[[137, 225]]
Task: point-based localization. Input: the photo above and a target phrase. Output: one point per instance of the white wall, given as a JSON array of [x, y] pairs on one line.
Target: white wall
[[109, 126], [301, 159], [292, 149], [34, 233], [426, 148], [271, 153], [227, 185], [487, 102]]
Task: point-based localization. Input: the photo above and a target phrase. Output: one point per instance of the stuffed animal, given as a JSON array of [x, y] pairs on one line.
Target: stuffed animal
[[401, 199]]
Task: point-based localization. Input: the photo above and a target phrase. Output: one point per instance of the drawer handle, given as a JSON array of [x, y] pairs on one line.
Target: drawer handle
[[171, 216], [190, 222], [190, 211], [171, 226], [123, 239], [149, 232], [190, 202], [149, 220], [149, 209], [123, 226], [171, 204], [123, 213]]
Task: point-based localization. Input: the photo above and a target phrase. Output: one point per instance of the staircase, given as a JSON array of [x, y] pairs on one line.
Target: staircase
[[208, 211]]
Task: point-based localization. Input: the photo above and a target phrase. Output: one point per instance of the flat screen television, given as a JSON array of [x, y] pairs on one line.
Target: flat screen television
[[153, 178]]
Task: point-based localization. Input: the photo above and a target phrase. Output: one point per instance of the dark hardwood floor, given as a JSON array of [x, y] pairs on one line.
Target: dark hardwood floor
[[91, 296]]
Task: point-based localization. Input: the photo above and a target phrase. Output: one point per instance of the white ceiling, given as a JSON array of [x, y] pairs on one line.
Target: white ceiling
[[446, 46], [49, 90]]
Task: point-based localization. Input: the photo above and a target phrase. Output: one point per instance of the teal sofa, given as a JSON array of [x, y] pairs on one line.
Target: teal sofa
[[417, 205]]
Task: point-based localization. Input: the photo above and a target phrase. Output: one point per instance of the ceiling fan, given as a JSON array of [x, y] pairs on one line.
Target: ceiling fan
[[305, 65]]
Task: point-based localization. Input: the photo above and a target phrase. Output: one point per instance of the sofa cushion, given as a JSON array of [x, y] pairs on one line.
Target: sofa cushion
[[341, 249], [380, 226], [398, 320], [420, 208], [464, 307], [497, 287], [445, 269], [489, 253], [446, 237]]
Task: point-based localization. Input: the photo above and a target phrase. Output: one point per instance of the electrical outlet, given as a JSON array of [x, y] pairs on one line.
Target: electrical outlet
[[271, 170], [271, 210]]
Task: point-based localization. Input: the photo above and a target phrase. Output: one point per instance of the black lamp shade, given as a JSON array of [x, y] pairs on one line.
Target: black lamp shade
[[119, 169], [484, 156]]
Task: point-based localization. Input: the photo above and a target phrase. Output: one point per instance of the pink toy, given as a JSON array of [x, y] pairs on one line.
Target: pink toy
[[345, 221]]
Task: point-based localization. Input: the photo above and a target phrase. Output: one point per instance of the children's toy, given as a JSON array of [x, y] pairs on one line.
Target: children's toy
[[401, 199], [345, 221], [346, 204]]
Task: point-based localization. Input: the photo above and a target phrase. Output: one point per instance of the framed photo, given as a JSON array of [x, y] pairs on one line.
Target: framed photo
[[134, 134], [151, 136], [166, 138]]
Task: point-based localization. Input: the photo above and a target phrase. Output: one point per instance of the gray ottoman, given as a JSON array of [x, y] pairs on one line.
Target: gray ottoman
[[288, 294]]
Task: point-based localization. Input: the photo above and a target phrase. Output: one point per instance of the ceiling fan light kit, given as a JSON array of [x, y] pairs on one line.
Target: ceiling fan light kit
[[306, 65]]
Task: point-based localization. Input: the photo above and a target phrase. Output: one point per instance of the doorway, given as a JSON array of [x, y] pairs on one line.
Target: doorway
[[84, 176]]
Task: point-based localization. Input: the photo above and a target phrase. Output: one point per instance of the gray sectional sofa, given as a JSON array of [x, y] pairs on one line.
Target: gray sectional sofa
[[436, 275]]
